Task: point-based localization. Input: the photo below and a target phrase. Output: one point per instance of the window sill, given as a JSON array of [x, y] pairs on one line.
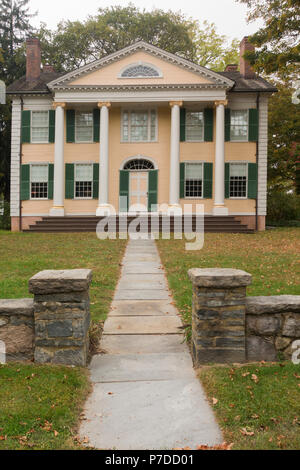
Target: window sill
[[139, 142], [39, 199]]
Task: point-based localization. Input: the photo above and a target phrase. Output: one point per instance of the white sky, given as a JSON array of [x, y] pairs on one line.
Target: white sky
[[228, 15]]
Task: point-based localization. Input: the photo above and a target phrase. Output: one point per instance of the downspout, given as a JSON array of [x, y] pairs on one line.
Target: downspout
[[257, 161], [20, 162]]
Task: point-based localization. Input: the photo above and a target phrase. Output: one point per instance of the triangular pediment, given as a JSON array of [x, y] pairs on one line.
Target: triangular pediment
[[171, 70]]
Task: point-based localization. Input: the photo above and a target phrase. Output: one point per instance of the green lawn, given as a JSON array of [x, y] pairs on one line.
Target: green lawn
[[257, 406], [272, 257], [24, 254]]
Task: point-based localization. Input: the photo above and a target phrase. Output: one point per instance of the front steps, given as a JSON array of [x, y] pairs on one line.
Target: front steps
[[78, 224]]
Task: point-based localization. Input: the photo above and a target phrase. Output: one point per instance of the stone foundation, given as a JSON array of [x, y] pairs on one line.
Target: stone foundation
[[62, 316], [26, 222], [250, 221]]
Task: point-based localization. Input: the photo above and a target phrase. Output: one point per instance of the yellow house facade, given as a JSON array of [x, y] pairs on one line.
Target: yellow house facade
[[139, 131]]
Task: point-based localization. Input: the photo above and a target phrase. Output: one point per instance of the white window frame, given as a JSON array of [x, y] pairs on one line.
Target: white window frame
[[32, 127], [231, 125], [136, 64], [75, 181], [247, 179], [132, 110], [198, 162], [84, 141], [30, 182], [195, 111]]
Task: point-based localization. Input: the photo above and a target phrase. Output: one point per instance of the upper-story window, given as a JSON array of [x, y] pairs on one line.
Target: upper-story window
[[140, 70], [84, 126], [194, 126], [39, 127], [139, 126], [239, 125]]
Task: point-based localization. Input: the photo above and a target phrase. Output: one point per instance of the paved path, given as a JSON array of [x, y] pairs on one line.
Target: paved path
[[145, 392]]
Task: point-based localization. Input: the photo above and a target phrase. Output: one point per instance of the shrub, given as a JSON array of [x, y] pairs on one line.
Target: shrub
[[5, 218], [283, 209]]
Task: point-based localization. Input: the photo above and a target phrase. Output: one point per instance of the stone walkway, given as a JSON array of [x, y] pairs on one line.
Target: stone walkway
[[145, 391]]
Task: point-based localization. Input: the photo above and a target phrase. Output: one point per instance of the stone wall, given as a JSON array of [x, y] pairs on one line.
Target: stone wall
[[17, 329], [229, 327], [272, 325]]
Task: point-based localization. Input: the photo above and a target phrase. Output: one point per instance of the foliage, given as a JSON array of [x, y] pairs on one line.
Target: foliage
[[40, 406], [278, 39], [257, 405], [284, 138], [283, 207], [23, 255], [5, 218]]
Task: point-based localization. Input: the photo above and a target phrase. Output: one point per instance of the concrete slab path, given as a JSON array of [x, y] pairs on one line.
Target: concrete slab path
[[146, 395]]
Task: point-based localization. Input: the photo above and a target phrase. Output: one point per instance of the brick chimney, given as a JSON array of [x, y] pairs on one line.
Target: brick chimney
[[245, 67], [231, 68], [33, 59]]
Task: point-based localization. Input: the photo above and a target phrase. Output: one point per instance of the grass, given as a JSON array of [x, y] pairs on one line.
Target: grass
[[40, 406], [258, 405], [272, 257], [23, 255]]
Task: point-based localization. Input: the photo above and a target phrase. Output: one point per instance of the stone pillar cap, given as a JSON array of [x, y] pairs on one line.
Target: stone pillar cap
[[219, 277], [51, 282]]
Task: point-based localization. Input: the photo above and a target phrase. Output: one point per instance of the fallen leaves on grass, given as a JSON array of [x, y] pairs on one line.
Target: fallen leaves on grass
[[246, 432], [215, 401]]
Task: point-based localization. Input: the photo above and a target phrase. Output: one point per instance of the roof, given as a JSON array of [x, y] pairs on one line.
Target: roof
[[38, 86], [48, 81], [243, 84]]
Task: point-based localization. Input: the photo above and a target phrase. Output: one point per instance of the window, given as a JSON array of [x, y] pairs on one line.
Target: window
[[84, 127], [140, 71], [83, 181], [139, 164], [39, 181], [239, 125], [139, 126], [238, 180], [193, 185], [194, 126], [39, 126]]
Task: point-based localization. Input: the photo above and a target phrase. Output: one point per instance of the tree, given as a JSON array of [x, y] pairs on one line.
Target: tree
[[279, 39], [212, 50], [14, 26], [284, 139]]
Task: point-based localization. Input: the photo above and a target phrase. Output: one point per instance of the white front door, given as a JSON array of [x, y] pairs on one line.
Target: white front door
[[138, 191]]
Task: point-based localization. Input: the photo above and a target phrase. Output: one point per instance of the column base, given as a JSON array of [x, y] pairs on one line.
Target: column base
[[220, 210], [105, 210], [57, 212], [174, 209]]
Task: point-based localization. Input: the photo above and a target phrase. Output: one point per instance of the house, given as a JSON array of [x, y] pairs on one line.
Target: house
[[137, 129]]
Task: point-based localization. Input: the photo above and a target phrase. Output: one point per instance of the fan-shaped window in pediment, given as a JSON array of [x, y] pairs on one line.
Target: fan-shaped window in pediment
[[140, 70]]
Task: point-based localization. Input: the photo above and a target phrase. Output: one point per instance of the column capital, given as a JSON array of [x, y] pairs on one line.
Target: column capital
[[56, 105], [101, 104], [221, 102], [176, 103]]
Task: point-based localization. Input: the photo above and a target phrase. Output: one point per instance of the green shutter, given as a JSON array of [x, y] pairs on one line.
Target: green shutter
[[252, 180], [25, 182], [96, 121], [96, 180], [124, 190], [227, 180], [208, 124], [208, 180], [253, 125], [26, 123], [227, 124], [152, 190], [182, 124], [51, 126], [69, 181], [182, 180], [70, 125], [50, 180]]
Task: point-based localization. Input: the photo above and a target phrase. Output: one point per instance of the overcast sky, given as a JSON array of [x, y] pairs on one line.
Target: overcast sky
[[228, 15]]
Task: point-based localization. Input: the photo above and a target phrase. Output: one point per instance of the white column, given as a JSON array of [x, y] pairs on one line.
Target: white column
[[174, 198], [59, 165], [219, 204], [103, 206]]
